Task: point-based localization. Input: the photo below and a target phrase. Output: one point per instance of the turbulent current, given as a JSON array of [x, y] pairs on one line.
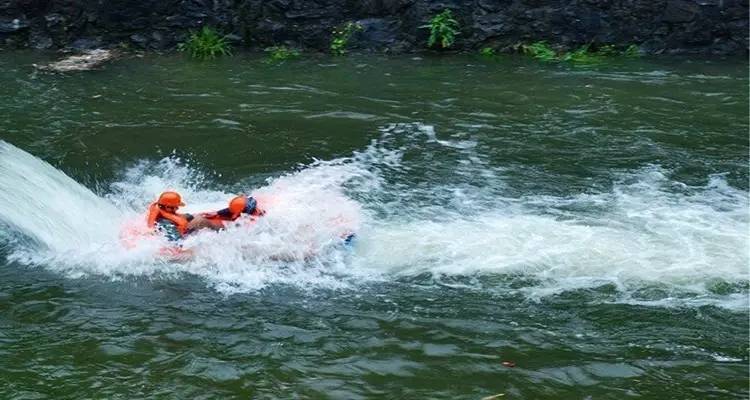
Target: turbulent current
[[588, 225], [641, 233]]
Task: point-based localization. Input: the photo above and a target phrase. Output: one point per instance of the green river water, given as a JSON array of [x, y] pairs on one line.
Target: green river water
[[588, 225]]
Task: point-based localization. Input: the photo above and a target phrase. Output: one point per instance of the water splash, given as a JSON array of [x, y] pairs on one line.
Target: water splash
[[654, 240], [307, 215], [47, 208], [640, 234]]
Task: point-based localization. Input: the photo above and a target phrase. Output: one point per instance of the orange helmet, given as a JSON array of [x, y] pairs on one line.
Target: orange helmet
[[170, 199], [238, 204]]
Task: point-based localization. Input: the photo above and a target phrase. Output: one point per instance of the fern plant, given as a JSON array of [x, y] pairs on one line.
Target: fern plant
[[443, 30], [205, 44]]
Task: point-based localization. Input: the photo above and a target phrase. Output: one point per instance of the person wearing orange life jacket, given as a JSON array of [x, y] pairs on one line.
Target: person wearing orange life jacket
[[163, 217], [239, 205]]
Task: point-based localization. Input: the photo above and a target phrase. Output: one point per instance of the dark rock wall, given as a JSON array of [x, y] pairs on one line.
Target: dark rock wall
[[672, 26]]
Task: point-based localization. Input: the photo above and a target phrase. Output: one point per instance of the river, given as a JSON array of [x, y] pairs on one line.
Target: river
[[541, 231]]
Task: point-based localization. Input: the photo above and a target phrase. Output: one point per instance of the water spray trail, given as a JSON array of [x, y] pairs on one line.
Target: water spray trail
[[46, 207], [648, 231]]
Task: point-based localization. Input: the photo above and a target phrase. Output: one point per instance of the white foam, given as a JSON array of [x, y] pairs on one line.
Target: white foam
[[78, 233], [648, 231], [49, 208], [645, 235]]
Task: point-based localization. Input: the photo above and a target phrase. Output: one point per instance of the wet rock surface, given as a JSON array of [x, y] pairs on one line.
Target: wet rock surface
[[89, 60], [658, 26]]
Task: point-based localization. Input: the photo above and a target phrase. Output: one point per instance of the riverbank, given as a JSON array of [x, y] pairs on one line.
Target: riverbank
[[716, 27]]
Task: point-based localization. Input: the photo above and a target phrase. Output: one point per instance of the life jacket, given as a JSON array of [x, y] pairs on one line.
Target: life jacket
[[155, 213], [230, 216]]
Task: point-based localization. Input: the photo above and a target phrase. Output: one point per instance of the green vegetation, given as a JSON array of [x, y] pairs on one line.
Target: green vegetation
[[341, 37], [206, 44], [582, 55], [443, 29], [281, 53], [540, 50], [607, 50], [632, 51], [488, 52]]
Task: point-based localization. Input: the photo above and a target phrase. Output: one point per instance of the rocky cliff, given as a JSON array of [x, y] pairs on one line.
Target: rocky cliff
[[671, 26]]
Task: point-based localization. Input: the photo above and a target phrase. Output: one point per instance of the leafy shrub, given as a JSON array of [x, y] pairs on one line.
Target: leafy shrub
[[205, 44], [582, 55], [488, 52], [443, 29], [281, 53], [540, 50], [341, 37]]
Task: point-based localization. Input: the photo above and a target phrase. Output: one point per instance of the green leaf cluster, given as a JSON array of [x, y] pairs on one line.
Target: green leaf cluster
[[281, 53], [341, 37], [205, 44], [487, 52], [443, 30], [540, 50], [582, 55]]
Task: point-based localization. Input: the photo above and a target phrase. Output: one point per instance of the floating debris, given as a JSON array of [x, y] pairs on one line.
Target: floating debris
[[82, 62], [494, 396], [509, 364]]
